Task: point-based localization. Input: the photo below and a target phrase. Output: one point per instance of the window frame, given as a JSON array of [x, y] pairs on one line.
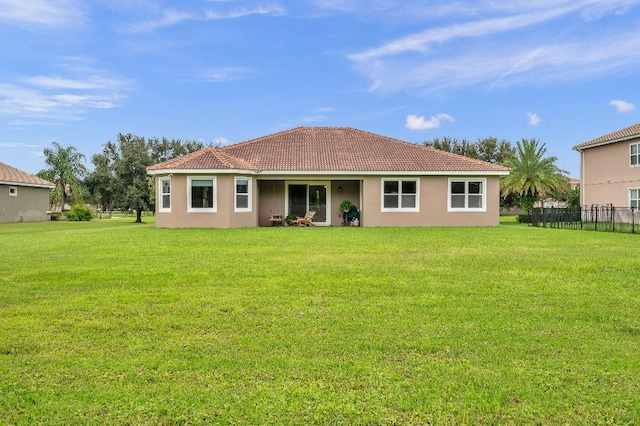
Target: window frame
[[214, 196], [483, 193], [248, 194], [636, 199], [13, 191], [636, 154], [400, 209], [161, 207]]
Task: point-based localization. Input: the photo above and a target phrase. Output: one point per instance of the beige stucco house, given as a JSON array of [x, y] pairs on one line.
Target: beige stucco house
[[392, 183], [610, 169], [23, 197]]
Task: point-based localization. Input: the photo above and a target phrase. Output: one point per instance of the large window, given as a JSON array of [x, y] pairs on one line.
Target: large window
[[201, 194], [165, 194], [400, 195], [243, 194], [467, 195], [634, 149], [634, 198]]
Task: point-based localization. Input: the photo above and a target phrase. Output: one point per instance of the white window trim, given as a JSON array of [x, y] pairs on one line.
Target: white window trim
[[629, 196], [13, 191], [399, 209], [466, 181], [160, 205], [249, 195], [638, 154], [213, 209]]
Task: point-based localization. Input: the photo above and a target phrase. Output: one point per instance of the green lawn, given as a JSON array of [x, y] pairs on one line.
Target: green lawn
[[111, 322]]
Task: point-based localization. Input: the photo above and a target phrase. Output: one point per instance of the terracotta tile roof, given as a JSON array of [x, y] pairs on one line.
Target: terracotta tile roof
[[10, 175], [207, 158], [336, 149], [627, 133]]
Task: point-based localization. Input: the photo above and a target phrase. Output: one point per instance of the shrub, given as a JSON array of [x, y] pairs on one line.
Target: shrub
[[523, 218], [79, 212]]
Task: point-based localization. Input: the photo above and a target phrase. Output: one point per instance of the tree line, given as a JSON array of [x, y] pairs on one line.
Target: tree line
[[119, 177]]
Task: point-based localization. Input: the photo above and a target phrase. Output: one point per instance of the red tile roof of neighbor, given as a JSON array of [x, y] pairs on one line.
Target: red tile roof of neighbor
[[328, 149], [627, 133], [12, 176]]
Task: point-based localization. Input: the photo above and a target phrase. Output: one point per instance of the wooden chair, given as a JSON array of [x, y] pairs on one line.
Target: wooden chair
[[304, 221]]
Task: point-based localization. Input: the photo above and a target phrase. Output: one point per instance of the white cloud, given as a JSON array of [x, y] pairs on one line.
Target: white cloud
[[504, 50], [274, 10], [47, 13], [415, 122], [622, 106], [17, 145], [49, 99], [166, 18], [534, 120], [224, 74]]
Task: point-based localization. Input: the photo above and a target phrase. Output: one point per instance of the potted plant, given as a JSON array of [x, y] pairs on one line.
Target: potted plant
[[290, 217], [345, 207]]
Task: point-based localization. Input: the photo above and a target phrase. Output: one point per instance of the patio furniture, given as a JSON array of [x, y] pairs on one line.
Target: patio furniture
[[304, 221]]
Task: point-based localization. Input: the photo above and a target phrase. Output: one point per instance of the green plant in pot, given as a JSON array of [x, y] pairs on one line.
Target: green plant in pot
[[345, 207], [290, 218]]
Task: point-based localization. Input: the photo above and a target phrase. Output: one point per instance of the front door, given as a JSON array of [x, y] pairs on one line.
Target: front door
[[305, 196]]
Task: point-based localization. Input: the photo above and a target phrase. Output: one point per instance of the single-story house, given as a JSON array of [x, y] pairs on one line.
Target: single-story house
[[391, 182], [610, 169], [23, 197]]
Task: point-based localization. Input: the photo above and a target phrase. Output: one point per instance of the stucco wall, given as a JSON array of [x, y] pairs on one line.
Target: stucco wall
[[30, 204], [607, 175], [433, 206], [224, 217], [269, 196]]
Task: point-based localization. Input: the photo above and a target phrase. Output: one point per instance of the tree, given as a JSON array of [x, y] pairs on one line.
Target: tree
[[120, 175], [488, 149], [65, 170], [532, 174]]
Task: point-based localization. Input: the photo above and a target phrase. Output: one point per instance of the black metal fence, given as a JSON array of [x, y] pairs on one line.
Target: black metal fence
[[595, 218]]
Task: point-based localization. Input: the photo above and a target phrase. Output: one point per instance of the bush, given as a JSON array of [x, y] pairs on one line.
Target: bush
[[79, 212], [523, 218]]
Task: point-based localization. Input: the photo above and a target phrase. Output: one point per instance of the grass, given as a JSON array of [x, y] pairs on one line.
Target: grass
[[111, 322]]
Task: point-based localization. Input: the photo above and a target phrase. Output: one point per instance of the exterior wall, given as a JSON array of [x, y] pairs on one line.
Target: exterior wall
[[224, 217], [433, 205], [29, 205], [606, 175], [269, 197]]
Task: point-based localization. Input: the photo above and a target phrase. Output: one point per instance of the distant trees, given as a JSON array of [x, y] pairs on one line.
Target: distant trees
[[488, 149], [120, 174], [533, 175], [65, 169]]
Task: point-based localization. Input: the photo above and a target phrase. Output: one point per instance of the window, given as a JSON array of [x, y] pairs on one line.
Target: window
[[243, 194], [165, 194], [634, 198], [201, 194], [634, 148], [467, 195], [400, 195], [13, 191]]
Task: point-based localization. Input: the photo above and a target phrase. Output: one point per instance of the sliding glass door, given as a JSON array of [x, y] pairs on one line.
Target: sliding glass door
[[305, 196]]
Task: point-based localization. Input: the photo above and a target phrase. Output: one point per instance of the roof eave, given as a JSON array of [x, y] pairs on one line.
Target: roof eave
[[33, 185], [616, 140], [333, 172]]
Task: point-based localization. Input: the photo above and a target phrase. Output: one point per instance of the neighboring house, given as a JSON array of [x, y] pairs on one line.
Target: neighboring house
[[23, 197], [393, 183], [610, 169], [551, 202]]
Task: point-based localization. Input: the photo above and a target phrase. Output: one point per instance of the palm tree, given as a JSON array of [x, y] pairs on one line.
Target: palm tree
[[532, 174], [65, 168]]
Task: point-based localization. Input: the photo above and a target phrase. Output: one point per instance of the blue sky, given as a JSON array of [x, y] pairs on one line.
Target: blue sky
[[223, 71]]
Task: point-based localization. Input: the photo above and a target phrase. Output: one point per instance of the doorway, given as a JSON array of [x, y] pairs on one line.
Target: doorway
[[305, 196]]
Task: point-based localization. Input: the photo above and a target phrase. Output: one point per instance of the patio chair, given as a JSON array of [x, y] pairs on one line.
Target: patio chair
[[304, 221]]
